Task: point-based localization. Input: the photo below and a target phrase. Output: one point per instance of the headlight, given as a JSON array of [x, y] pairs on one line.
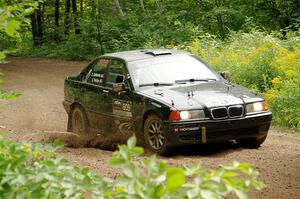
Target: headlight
[[256, 107], [186, 115], [194, 114]]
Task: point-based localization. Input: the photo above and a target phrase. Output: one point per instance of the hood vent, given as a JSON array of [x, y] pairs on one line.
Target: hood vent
[[158, 52]]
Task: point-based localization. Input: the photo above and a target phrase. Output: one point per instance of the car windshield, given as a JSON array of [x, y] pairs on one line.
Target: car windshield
[[168, 70]]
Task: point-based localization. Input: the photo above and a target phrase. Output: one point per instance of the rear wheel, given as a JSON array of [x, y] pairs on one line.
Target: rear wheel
[[79, 126], [154, 135], [252, 142]]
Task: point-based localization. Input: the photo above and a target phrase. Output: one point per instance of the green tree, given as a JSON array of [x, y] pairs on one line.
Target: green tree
[[12, 15]]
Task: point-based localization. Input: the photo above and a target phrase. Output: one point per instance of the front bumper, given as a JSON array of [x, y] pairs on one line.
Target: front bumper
[[208, 131]]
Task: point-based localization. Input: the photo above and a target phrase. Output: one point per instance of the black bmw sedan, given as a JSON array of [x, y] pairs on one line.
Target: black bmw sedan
[[166, 98]]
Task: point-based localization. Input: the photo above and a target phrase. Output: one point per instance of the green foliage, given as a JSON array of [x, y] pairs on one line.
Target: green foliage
[[12, 15], [165, 23], [284, 94], [32, 171], [247, 56], [151, 178], [74, 48], [285, 104], [262, 62], [8, 96]]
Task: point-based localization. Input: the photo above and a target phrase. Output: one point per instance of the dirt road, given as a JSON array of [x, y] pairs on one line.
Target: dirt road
[[39, 109]]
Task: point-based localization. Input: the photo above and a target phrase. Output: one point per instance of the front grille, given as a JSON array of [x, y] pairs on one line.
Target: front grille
[[235, 111], [219, 113], [227, 112]]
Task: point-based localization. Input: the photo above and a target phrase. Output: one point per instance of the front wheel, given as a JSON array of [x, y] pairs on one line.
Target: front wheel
[[252, 142], [154, 135]]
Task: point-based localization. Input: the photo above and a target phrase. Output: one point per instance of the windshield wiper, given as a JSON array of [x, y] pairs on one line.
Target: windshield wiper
[[195, 80], [156, 84]]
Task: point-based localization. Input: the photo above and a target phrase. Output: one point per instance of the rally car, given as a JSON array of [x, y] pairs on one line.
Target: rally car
[[166, 98]]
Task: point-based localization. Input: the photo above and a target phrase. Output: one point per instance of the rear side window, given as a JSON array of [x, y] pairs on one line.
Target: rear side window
[[97, 72]]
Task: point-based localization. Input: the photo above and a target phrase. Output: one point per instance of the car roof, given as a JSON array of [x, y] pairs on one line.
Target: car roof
[[134, 55]]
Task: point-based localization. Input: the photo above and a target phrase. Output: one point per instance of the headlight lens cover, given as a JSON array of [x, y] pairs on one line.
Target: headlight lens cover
[[256, 107], [186, 115], [194, 114]]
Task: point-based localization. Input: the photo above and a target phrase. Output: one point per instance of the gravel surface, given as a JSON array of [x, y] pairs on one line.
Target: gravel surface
[[39, 113]]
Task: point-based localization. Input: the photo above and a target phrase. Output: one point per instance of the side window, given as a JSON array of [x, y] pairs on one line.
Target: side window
[[97, 72], [117, 72]]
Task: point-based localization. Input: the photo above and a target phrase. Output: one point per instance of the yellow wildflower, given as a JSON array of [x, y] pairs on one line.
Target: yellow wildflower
[[27, 147], [269, 44], [290, 73], [282, 51], [291, 55], [36, 155], [169, 46], [275, 82], [233, 57], [268, 96], [286, 118]]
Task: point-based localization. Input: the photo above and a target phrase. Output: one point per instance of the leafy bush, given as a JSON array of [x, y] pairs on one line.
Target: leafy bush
[[74, 48], [284, 94], [248, 57], [152, 178], [262, 62], [12, 15], [32, 171]]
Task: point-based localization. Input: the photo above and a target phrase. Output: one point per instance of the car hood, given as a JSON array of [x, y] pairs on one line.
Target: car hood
[[200, 95]]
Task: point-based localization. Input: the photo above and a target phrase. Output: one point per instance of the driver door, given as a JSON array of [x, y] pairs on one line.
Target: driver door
[[120, 102], [96, 96]]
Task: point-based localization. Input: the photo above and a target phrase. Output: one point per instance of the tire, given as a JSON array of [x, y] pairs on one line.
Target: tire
[[79, 126], [154, 135], [252, 143]]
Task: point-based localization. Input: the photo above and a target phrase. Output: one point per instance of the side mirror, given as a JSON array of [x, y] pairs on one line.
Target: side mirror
[[118, 87], [225, 75]]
